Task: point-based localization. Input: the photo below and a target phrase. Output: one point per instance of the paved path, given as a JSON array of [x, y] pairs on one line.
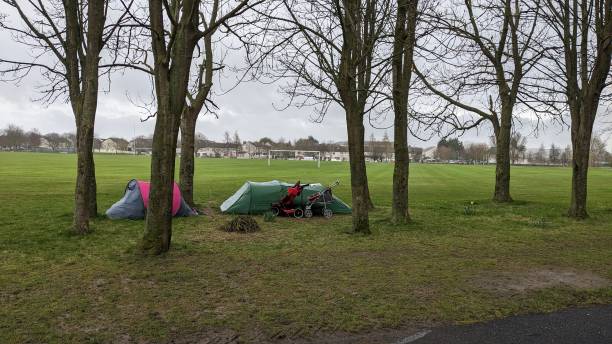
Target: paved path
[[592, 325]]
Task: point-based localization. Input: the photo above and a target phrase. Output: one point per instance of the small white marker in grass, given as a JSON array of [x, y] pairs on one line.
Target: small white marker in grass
[[414, 337]]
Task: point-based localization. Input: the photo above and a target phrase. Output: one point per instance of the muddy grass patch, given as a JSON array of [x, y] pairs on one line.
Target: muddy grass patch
[[537, 279]]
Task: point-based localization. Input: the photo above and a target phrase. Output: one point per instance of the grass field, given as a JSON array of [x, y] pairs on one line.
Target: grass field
[[295, 278]]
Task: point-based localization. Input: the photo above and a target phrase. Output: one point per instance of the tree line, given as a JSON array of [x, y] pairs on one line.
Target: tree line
[[435, 66], [15, 138], [454, 150]]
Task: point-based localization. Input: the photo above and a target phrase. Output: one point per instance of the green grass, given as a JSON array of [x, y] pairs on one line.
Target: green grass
[[295, 277]]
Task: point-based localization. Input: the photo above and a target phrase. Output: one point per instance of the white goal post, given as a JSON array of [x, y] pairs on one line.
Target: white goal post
[[296, 154]]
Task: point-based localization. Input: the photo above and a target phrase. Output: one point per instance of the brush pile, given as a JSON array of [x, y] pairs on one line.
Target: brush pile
[[242, 224]]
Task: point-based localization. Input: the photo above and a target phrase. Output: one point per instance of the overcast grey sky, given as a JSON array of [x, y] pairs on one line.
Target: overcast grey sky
[[250, 109]]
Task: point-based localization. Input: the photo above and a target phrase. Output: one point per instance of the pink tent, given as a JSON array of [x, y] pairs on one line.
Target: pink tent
[[135, 201], [176, 195]]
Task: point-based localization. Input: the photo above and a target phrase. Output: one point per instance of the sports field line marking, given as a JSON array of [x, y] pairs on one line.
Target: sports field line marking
[[414, 337]]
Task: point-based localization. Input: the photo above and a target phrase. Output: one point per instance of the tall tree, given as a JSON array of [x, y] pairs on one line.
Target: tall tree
[[388, 147], [175, 29], [54, 140], [454, 145], [577, 71], [444, 153], [478, 56], [598, 154], [172, 51], [554, 153], [237, 142], [477, 153], [33, 138], [330, 53], [372, 144], [68, 38], [197, 97], [518, 146], [566, 156], [402, 64], [540, 156], [14, 137], [268, 141]]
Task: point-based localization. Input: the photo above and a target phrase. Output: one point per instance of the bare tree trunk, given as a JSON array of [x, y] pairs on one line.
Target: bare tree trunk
[[580, 169], [585, 34], [190, 117], [401, 170], [359, 180], [402, 61], [171, 73], [187, 167], [399, 207], [173, 55], [85, 207], [93, 199], [82, 196], [502, 161], [158, 226], [582, 129], [83, 89], [369, 197]]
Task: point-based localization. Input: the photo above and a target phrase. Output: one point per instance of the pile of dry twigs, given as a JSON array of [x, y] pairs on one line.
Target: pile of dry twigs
[[241, 223]]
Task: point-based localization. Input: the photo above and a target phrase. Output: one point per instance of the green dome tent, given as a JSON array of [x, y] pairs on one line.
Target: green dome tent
[[256, 198]]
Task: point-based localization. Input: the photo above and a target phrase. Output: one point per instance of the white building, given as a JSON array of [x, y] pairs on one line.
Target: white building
[[254, 150], [335, 156], [108, 146], [429, 153], [113, 146], [217, 150]]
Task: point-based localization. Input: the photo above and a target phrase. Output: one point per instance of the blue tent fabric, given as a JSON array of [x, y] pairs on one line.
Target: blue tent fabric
[[131, 206], [185, 210]]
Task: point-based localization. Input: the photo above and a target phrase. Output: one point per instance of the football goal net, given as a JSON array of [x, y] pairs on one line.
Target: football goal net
[[287, 154]]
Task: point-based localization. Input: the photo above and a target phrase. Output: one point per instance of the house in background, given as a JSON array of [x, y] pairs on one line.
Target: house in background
[[44, 144], [337, 154], [429, 154], [415, 154], [113, 145], [211, 149], [254, 150], [108, 146], [338, 151], [142, 145]]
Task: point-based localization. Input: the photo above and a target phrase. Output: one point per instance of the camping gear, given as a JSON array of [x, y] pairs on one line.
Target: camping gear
[[255, 198], [286, 205], [135, 201], [319, 202]]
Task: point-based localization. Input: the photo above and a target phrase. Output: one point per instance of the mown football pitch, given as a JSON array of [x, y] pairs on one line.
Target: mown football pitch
[[295, 278]]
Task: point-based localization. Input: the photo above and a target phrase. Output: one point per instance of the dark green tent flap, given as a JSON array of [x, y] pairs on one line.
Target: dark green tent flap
[[256, 198]]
